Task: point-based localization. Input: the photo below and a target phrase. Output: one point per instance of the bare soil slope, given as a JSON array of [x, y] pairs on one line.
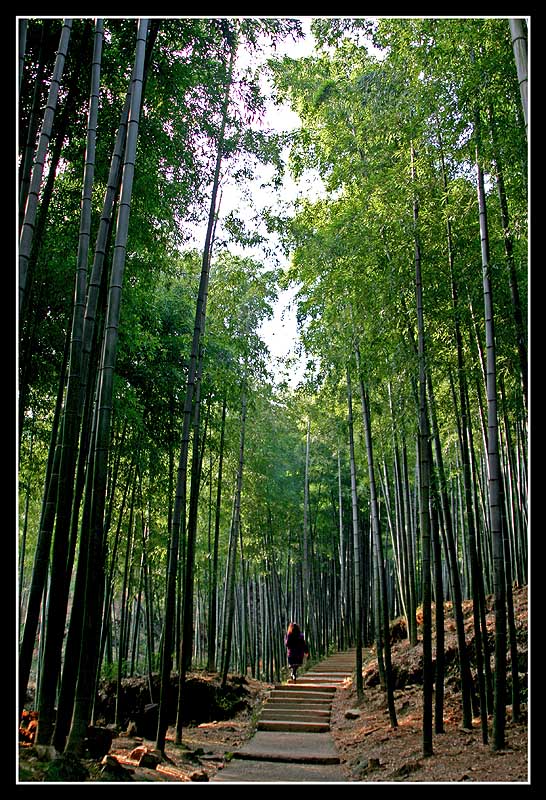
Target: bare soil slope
[[373, 751]]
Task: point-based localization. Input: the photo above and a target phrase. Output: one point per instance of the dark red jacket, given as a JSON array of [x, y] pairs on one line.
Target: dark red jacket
[[296, 648]]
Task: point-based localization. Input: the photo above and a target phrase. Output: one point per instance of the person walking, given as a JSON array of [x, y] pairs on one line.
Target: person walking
[[296, 648]]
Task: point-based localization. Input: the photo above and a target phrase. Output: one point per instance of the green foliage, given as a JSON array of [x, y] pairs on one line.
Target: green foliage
[[351, 262]]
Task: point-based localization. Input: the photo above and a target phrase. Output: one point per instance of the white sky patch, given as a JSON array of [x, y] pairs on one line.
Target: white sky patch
[[281, 332], [278, 118], [282, 338]]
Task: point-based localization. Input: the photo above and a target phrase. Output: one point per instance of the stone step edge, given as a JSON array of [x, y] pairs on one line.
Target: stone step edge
[[307, 689], [299, 716], [324, 671], [305, 686], [287, 726], [281, 706], [277, 708], [282, 757]]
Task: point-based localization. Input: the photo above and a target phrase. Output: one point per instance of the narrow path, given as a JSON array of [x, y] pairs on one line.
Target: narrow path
[[293, 741]]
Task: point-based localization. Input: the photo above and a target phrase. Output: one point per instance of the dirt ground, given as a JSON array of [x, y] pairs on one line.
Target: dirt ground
[[370, 749], [374, 751], [205, 748]]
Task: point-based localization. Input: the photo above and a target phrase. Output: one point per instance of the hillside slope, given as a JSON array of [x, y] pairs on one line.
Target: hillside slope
[[373, 751]]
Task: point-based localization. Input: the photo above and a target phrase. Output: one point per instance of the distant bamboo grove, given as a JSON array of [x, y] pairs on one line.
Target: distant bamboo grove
[[179, 503]]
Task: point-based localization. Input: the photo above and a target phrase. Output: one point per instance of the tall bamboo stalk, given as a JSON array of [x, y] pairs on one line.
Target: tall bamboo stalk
[[37, 592], [95, 579], [178, 521], [211, 662], [22, 47], [357, 604], [234, 534], [424, 485], [384, 620], [519, 45], [493, 460], [306, 567], [31, 210], [28, 150], [342, 562], [62, 552], [516, 310]]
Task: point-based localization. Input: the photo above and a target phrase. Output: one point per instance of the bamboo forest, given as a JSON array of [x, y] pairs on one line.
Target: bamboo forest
[[272, 366]]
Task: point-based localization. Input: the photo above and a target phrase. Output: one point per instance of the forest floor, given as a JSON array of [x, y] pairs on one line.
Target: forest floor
[[374, 751], [370, 749]]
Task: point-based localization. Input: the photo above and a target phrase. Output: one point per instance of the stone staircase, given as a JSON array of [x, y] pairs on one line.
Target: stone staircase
[[293, 742], [305, 705]]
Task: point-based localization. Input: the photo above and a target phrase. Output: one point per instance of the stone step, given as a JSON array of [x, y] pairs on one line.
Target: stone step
[[304, 695], [304, 706], [323, 711], [331, 673], [338, 667], [310, 748], [310, 685], [296, 716], [317, 705], [321, 685], [294, 727], [303, 686], [268, 710]]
